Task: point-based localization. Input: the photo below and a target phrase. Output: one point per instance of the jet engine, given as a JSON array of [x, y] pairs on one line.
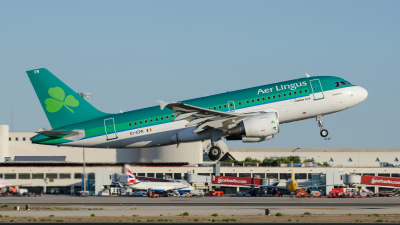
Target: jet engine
[[256, 128]]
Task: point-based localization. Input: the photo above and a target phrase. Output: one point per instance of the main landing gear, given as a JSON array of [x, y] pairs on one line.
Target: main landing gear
[[214, 153], [323, 132]]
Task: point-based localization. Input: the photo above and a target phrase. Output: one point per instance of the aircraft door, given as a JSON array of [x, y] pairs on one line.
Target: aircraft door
[[231, 106], [317, 89], [109, 127]]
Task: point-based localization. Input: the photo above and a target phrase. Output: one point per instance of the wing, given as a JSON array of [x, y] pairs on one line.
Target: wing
[[204, 118]]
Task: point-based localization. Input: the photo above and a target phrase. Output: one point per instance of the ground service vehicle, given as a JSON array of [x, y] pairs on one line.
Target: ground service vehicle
[[216, 193]]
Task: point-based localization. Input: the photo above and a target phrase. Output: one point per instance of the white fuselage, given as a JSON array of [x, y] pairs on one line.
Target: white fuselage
[[162, 186], [289, 111]]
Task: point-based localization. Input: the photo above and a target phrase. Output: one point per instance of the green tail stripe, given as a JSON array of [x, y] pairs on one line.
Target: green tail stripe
[[62, 105]]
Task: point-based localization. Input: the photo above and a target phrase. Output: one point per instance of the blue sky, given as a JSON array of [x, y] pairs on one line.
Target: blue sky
[[131, 53]]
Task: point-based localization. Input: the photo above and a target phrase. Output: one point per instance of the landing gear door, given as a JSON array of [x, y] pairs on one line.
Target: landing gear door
[[109, 127], [317, 89], [231, 106]]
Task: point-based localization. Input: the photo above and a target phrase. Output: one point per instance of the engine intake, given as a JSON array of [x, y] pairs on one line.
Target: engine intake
[[263, 125]]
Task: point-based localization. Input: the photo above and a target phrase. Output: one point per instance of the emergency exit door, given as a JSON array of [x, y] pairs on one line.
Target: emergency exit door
[[317, 89], [109, 126]]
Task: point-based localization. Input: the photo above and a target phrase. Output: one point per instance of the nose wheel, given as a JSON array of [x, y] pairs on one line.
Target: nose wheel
[[324, 132], [214, 153]]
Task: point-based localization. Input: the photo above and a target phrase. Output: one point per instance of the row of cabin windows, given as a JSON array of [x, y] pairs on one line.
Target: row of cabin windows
[[16, 139], [263, 99], [150, 120]]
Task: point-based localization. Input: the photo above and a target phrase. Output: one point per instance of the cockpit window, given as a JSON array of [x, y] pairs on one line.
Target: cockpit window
[[342, 83], [337, 84]]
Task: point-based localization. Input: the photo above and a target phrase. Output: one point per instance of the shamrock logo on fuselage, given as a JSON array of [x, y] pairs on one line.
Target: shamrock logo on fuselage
[[57, 101]]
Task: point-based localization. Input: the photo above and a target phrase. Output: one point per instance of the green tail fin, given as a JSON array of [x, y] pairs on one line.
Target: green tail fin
[[62, 105]]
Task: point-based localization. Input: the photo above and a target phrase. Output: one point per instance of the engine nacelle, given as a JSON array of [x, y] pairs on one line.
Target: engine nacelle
[[259, 126]]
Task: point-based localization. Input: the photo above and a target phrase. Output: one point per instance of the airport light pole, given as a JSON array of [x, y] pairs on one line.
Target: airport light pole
[[84, 96], [327, 139]]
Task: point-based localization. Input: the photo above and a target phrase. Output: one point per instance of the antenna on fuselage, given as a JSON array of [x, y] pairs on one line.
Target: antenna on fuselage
[[307, 75]]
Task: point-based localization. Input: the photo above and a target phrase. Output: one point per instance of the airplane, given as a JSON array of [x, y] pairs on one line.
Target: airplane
[[292, 185], [249, 115], [157, 187]]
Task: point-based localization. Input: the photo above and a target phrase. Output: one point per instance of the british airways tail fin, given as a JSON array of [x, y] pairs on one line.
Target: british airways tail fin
[[131, 177]]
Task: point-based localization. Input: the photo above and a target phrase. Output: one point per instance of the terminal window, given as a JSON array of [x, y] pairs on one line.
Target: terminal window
[[78, 176], [231, 174], [393, 174], [150, 174], [1, 176], [9, 139], [23, 139], [37, 175], [141, 174], [16, 139], [159, 175], [51, 175], [65, 176], [272, 175], [177, 176], [25, 176], [301, 176], [258, 175], [285, 176], [10, 176], [384, 174]]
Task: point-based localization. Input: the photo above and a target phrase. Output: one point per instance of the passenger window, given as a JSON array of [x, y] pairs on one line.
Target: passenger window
[[269, 98], [130, 124], [252, 100], [140, 122], [172, 116], [273, 97], [225, 106], [219, 107], [135, 123], [284, 95], [305, 90], [161, 118], [300, 92], [151, 120], [145, 121], [342, 83], [263, 99], [258, 99], [279, 96], [240, 103], [231, 105], [290, 93], [215, 108], [209, 108], [295, 93], [156, 119], [166, 117], [337, 84]]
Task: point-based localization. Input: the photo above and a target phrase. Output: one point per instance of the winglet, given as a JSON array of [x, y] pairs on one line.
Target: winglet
[[307, 75], [162, 104]]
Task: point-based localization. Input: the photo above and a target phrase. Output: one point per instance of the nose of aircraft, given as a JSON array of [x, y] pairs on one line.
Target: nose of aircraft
[[363, 94]]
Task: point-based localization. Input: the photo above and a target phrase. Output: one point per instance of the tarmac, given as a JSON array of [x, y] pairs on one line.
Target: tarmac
[[226, 205]]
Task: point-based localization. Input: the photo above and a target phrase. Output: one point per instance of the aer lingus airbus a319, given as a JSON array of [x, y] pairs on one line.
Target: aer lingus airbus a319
[[249, 115]]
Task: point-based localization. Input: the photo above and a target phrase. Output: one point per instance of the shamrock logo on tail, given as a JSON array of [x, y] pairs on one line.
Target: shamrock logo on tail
[[57, 101]]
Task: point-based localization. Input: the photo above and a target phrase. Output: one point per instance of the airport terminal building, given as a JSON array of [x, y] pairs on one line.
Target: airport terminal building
[[58, 170]]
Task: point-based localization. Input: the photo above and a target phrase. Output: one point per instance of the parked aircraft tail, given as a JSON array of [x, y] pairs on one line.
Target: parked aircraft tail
[[62, 105], [131, 177]]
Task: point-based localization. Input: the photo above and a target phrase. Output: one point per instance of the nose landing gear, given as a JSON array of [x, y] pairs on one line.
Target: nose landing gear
[[323, 131], [214, 153]]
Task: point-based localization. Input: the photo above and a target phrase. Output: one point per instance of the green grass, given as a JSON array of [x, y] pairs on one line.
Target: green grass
[[379, 221], [289, 220], [349, 214], [161, 214], [215, 214], [376, 215], [278, 214], [42, 220], [139, 221], [92, 215], [59, 221], [51, 216], [196, 220], [234, 220], [226, 220], [307, 213], [68, 209], [6, 216], [4, 206], [185, 214], [11, 220], [1, 215]]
